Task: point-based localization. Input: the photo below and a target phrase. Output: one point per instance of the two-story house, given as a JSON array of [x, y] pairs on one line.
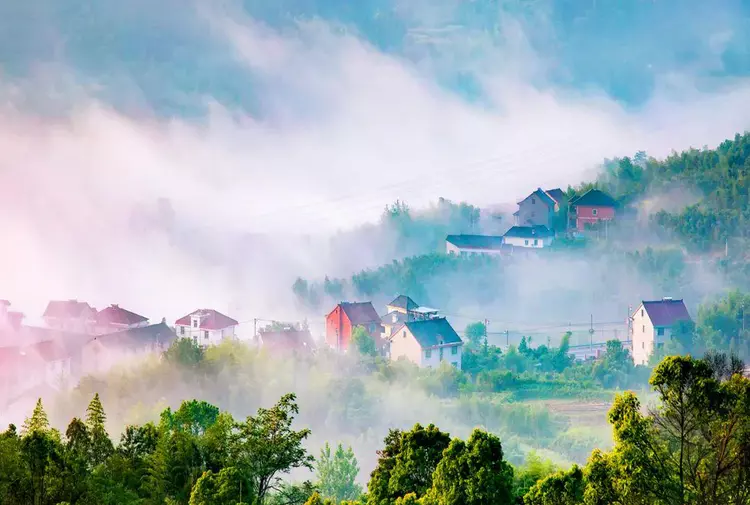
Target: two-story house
[[652, 324], [426, 343], [206, 327], [535, 237], [592, 207], [403, 310], [538, 209], [70, 315], [345, 317], [115, 318]]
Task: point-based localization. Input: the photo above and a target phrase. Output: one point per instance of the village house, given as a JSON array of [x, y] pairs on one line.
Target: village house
[[288, 340], [70, 315], [115, 318], [345, 317], [402, 310], [477, 244], [538, 209], [105, 351], [206, 327], [529, 236], [426, 343], [592, 207], [652, 324]]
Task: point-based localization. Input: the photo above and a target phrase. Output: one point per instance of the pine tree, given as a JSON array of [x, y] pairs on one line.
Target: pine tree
[[101, 445], [38, 421]]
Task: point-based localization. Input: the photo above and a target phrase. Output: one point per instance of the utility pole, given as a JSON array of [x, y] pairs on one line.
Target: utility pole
[[486, 326], [591, 332], [507, 340], [255, 330]]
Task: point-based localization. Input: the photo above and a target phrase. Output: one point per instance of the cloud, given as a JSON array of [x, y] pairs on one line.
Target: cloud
[[108, 200]]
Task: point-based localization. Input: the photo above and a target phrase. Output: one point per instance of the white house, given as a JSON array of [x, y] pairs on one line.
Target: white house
[[476, 244], [652, 324], [426, 343], [529, 236], [206, 327]]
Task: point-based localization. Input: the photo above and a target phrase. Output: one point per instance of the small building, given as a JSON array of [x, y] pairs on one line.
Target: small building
[[345, 317], [477, 244], [529, 236], [105, 351], [652, 324], [402, 310], [426, 343], [115, 318], [538, 209], [70, 315], [206, 327], [592, 207], [403, 304], [289, 340]]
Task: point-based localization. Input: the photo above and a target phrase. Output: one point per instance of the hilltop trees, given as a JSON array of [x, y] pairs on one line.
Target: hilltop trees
[[337, 472]]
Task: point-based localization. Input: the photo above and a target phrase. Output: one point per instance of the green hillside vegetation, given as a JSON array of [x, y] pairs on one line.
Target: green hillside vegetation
[[691, 448]]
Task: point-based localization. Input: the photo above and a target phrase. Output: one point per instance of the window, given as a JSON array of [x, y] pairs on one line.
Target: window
[[643, 328], [205, 335], [536, 241], [455, 364], [195, 323], [525, 242], [441, 354], [593, 212], [533, 201], [454, 350], [428, 353], [533, 213], [182, 330], [660, 345], [660, 331], [641, 312], [403, 334], [643, 345], [195, 340]]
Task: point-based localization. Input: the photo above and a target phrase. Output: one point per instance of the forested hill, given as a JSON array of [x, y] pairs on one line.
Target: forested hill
[[718, 178]]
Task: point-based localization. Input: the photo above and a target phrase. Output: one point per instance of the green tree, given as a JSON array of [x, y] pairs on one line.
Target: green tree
[[533, 470], [193, 416], [337, 473], [472, 473], [224, 488], [476, 333], [363, 342], [38, 421], [101, 445], [561, 488], [184, 352], [265, 446]]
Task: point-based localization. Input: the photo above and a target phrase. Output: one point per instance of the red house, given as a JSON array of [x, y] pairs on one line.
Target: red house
[[342, 319], [592, 207]]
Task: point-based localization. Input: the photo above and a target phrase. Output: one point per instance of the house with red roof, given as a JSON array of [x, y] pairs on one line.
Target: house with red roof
[[345, 317], [70, 315], [115, 318], [206, 327], [652, 325]]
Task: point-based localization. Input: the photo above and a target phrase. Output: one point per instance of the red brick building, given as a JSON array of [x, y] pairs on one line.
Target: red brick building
[[592, 207], [344, 317]]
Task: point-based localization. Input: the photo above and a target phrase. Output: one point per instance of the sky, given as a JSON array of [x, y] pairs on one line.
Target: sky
[[149, 151]]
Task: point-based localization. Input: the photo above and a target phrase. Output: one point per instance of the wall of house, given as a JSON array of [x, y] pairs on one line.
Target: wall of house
[[643, 336], [205, 337], [404, 345], [589, 215], [528, 242], [452, 249], [432, 357], [533, 211], [336, 334]]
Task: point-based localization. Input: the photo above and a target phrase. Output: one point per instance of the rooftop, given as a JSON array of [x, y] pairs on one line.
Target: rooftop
[[593, 198], [433, 332], [476, 241], [666, 312], [360, 312], [114, 314], [68, 309], [158, 333], [209, 319], [540, 231], [403, 302]]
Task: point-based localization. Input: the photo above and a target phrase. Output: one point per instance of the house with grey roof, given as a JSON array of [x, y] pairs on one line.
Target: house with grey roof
[[538, 209], [652, 325], [426, 343], [535, 237], [476, 244]]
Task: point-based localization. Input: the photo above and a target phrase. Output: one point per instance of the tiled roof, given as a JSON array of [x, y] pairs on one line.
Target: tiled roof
[[557, 194], [360, 312], [68, 309], [134, 338], [594, 198], [543, 197], [540, 231], [394, 318], [209, 320], [114, 314], [288, 340], [666, 312], [476, 241], [404, 302], [432, 332]]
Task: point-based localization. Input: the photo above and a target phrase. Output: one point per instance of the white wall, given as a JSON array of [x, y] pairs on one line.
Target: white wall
[[433, 361], [215, 337], [643, 336], [528, 242], [452, 249], [403, 344]]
